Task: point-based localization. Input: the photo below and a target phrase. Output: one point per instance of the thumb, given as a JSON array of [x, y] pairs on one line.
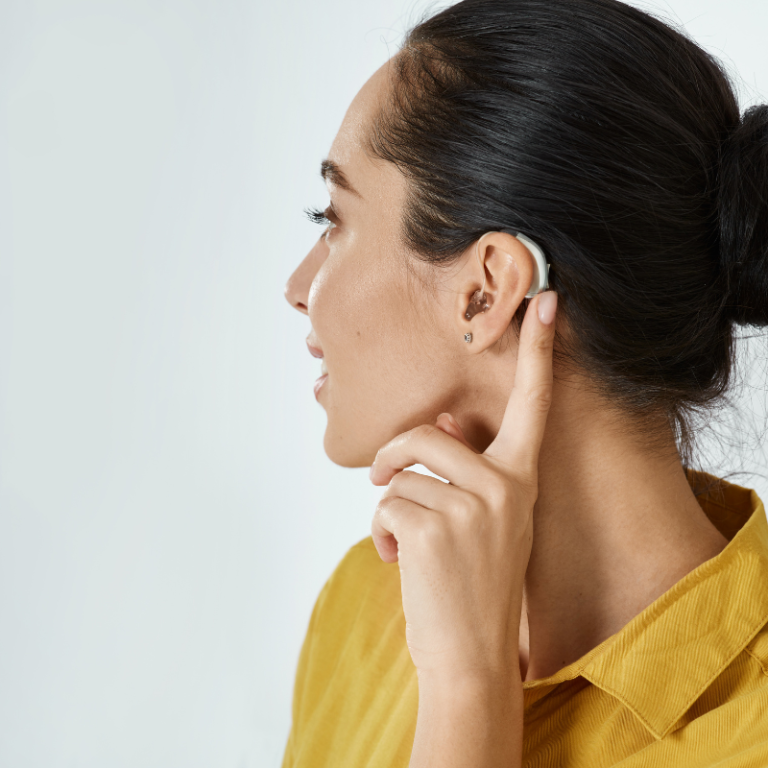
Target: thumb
[[450, 426]]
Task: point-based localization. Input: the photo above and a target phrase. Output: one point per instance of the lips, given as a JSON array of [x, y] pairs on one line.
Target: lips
[[319, 384], [317, 352]]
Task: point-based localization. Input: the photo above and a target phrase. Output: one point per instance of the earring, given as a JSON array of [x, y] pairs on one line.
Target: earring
[[467, 337]]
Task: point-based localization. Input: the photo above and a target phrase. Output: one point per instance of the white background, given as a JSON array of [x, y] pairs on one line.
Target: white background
[[167, 512]]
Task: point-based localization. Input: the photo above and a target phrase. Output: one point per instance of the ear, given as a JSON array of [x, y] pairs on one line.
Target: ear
[[508, 268]]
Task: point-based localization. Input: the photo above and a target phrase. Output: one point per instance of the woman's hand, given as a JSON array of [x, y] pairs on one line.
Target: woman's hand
[[463, 546]]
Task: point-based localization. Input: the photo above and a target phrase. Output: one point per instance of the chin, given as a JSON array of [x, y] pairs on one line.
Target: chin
[[346, 453]]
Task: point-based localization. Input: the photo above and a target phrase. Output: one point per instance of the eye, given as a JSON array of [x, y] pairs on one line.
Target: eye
[[327, 217], [316, 216]]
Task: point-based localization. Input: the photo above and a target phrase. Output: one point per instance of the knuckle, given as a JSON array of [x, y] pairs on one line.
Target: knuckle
[[541, 344], [396, 484], [423, 430], [400, 483], [469, 506], [427, 530], [498, 491], [539, 397], [463, 506], [387, 507]]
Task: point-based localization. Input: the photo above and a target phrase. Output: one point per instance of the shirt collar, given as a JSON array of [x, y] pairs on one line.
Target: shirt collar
[[665, 657]]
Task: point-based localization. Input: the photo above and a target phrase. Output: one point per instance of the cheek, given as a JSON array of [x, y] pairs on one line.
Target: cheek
[[325, 295], [338, 305], [360, 310]]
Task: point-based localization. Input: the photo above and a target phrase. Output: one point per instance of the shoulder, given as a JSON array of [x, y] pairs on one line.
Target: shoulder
[[355, 644], [361, 556], [358, 611], [362, 590]]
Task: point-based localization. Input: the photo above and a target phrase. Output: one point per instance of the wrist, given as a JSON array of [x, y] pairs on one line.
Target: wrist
[[486, 688], [477, 674], [469, 720]]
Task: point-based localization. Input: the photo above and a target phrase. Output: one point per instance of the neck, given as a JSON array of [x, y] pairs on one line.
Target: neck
[[615, 526]]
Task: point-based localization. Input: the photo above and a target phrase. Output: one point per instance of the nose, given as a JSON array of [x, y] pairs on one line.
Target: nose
[[298, 285]]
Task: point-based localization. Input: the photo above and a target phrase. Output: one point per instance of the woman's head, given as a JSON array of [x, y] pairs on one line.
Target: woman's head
[[604, 135], [394, 347]]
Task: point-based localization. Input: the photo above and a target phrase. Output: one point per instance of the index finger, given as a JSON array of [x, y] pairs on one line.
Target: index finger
[[518, 441], [431, 447]]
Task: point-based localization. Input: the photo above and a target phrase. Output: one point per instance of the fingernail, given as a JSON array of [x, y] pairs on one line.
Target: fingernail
[[547, 307], [370, 471]]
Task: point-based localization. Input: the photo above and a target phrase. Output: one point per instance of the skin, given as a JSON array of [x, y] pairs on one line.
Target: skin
[[612, 524]]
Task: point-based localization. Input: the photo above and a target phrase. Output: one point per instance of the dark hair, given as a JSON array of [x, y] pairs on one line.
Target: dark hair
[[616, 143]]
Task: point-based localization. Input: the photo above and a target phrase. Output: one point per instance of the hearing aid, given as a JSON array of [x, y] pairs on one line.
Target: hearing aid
[[540, 281]]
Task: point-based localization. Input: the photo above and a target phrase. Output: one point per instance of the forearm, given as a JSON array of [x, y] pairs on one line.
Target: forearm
[[469, 723]]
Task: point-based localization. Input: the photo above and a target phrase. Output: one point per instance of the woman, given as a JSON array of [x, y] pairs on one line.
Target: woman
[[545, 220]]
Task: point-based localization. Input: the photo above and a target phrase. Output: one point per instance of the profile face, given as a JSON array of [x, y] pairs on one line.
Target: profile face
[[389, 342]]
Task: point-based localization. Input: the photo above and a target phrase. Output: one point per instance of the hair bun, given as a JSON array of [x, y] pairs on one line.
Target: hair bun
[[743, 212]]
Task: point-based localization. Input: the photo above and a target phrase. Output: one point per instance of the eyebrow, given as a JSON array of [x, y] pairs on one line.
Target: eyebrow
[[333, 173]]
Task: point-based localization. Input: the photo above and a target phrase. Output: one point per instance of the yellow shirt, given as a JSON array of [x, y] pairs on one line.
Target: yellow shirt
[[683, 684]]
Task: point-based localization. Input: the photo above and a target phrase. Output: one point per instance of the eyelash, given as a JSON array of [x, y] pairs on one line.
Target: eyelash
[[327, 217], [316, 216]]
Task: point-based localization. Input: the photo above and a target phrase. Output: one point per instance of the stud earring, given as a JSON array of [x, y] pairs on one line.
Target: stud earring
[[467, 337]]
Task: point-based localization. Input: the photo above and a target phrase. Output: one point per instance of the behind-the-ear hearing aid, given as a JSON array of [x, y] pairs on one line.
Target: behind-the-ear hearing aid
[[539, 283]]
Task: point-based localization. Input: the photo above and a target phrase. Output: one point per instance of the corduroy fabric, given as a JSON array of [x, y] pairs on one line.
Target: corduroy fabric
[[684, 683]]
